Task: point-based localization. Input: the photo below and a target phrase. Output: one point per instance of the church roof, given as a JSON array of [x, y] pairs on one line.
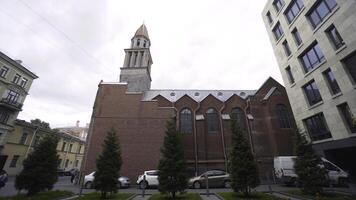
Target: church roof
[[197, 95], [142, 31]]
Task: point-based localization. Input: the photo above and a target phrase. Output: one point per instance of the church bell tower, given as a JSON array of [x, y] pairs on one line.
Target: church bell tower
[[136, 71]]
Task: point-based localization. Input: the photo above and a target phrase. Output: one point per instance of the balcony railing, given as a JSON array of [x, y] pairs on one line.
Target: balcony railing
[[11, 104]]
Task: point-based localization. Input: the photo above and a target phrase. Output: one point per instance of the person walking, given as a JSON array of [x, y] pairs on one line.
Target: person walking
[[3, 178], [73, 174]]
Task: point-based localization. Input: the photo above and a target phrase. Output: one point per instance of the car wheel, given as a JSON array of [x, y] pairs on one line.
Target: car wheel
[[196, 185], [227, 184], [88, 185], [342, 182], [143, 185]]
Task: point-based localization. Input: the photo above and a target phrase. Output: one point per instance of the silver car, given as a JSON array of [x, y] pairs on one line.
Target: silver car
[[124, 182], [216, 178]]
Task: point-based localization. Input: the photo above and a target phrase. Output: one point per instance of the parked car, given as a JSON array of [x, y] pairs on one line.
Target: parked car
[[216, 178], [124, 182], [284, 170], [61, 172], [151, 179], [3, 178]]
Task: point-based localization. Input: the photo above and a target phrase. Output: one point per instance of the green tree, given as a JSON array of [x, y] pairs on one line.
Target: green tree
[[242, 165], [172, 167], [40, 167], [40, 123], [108, 166], [307, 166]]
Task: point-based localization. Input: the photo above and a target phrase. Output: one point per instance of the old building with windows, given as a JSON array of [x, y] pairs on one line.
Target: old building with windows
[[25, 136], [314, 42], [139, 114], [15, 83]]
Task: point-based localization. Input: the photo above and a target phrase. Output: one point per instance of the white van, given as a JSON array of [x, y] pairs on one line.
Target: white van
[[284, 170]]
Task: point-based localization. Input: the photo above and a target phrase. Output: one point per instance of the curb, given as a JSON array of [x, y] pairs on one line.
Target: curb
[[72, 197]]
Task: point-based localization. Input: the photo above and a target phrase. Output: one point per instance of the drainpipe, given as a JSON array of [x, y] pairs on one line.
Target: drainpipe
[[249, 128], [195, 138], [222, 135], [29, 146]]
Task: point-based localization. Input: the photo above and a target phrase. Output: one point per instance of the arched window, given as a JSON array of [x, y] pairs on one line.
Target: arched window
[[186, 122], [239, 115], [138, 42], [212, 120], [144, 43], [283, 116]]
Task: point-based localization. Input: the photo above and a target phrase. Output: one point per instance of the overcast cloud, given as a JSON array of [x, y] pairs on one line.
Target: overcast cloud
[[73, 44]]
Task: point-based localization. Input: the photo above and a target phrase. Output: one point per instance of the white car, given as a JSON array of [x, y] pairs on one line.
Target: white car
[[124, 182], [148, 179]]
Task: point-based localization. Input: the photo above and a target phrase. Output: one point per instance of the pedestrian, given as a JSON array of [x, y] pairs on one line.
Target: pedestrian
[[73, 173], [3, 178]]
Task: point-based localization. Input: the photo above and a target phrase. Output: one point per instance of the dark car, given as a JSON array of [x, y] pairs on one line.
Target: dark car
[[216, 178], [3, 178]]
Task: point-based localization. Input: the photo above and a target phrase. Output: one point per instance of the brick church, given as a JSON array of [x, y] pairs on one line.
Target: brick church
[[139, 114]]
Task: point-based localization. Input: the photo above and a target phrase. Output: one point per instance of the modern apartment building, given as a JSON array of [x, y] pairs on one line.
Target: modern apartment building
[[26, 136], [314, 42], [15, 82]]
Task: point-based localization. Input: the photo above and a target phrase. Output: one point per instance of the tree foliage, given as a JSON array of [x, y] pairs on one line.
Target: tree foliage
[[40, 123], [172, 167], [242, 165], [108, 166], [40, 167], [311, 176]]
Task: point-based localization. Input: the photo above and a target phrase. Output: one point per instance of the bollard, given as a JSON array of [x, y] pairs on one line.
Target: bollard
[[207, 184], [144, 188]]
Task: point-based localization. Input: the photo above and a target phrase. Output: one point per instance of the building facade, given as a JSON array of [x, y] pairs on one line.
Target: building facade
[[77, 130], [314, 42], [139, 114], [15, 83], [26, 136]]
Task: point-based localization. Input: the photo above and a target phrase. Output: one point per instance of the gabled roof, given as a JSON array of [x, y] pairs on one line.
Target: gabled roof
[[196, 95], [142, 31]]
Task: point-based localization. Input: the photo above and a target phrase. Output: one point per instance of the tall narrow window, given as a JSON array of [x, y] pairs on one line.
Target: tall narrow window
[[23, 138], [66, 164], [349, 118], [290, 75], [350, 64], [239, 115], [335, 37], [317, 127], [212, 120], [329, 76], [293, 10], [297, 38], [23, 82], [283, 116], [4, 116], [286, 48], [269, 17], [312, 93], [70, 147], [63, 146], [3, 71], [186, 121], [14, 161], [277, 31], [312, 57], [320, 11], [16, 78], [278, 4]]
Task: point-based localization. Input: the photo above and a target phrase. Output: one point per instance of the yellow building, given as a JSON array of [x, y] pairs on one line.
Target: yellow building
[[70, 148]]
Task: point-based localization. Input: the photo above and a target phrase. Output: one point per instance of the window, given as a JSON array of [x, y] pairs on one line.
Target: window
[[333, 86], [278, 4], [312, 57], [70, 147], [4, 116], [3, 71], [23, 82], [63, 146], [283, 116], [14, 161], [278, 31], [349, 118], [293, 10], [286, 48], [320, 11], [23, 138], [138, 42], [16, 78], [186, 121], [12, 96], [239, 115], [144, 43], [66, 164], [317, 127], [80, 148], [76, 163], [212, 120], [350, 64], [59, 163], [335, 37], [269, 17], [312, 93], [297, 38], [290, 75]]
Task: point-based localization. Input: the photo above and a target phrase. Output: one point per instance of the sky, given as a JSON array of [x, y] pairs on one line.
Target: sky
[[73, 44]]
